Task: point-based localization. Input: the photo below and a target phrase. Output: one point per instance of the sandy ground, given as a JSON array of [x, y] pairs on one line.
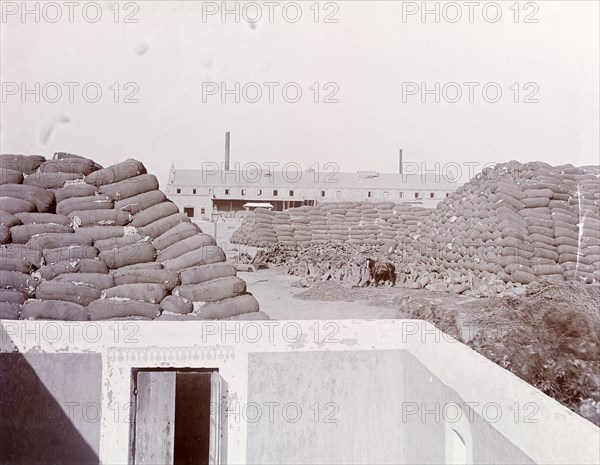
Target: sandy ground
[[279, 299]]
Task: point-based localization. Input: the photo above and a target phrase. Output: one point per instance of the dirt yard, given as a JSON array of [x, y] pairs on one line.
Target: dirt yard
[[278, 298], [281, 298]]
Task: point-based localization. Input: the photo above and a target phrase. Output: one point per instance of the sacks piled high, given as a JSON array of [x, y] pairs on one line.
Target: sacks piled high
[[282, 226], [256, 229], [353, 222], [299, 223], [246, 233], [79, 242], [263, 223], [523, 223], [519, 223]]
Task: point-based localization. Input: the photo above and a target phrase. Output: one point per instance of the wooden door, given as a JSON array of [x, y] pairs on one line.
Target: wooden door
[[155, 418]]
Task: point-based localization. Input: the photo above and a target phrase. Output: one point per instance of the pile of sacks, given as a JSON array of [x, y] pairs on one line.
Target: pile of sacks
[[256, 229], [360, 223], [518, 223], [522, 223], [81, 242]]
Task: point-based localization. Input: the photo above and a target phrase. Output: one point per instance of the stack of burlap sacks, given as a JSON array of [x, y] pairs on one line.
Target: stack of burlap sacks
[[519, 223], [81, 242], [523, 223], [352, 222], [256, 229]]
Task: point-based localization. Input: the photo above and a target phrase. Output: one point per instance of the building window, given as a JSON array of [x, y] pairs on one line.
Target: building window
[[275, 192], [243, 191], [370, 194], [203, 211], [401, 195], [178, 190], [338, 194], [416, 195], [258, 192], [447, 194], [189, 211], [431, 195], [291, 193], [211, 192], [194, 191], [322, 193], [386, 195], [226, 191]]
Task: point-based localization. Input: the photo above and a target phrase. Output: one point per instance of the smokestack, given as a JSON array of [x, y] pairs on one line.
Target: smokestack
[[401, 168], [227, 147]]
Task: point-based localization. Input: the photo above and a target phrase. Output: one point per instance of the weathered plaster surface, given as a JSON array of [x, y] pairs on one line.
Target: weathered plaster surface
[[434, 368]]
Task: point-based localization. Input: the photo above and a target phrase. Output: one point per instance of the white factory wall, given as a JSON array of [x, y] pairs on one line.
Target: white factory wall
[[372, 371]]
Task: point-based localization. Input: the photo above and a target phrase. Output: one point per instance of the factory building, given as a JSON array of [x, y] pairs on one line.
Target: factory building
[[199, 192], [218, 189]]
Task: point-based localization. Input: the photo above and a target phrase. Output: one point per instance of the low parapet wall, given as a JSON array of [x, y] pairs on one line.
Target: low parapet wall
[[387, 391]]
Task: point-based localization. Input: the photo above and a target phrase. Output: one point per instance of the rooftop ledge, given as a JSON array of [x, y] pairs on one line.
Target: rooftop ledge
[[553, 433]]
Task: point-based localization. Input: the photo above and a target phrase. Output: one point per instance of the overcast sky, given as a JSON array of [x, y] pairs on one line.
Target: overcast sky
[[369, 57]]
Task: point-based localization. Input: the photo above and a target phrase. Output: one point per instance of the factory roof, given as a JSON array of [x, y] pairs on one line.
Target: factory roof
[[312, 179]]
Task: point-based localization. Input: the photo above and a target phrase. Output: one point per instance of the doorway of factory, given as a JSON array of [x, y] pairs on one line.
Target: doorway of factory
[[176, 417]]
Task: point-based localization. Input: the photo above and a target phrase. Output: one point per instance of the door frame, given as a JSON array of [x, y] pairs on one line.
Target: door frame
[[133, 404]]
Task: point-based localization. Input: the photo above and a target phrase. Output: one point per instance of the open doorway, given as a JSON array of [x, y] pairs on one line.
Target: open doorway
[[176, 417]]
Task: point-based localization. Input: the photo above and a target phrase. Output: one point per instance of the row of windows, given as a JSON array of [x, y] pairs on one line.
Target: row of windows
[[338, 194], [243, 192]]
